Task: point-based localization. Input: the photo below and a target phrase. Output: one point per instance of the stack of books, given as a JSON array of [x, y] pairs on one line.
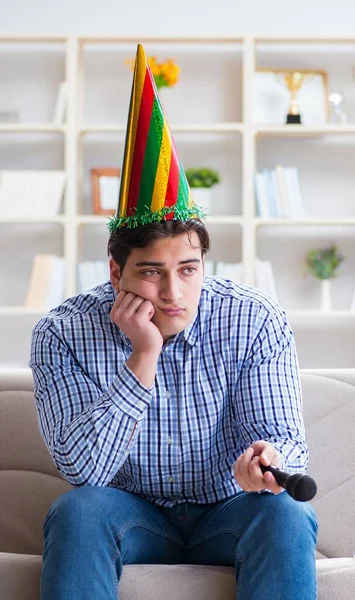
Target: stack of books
[[91, 274], [264, 278], [278, 193], [233, 271], [46, 287], [31, 193], [352, 301], [263, 274]]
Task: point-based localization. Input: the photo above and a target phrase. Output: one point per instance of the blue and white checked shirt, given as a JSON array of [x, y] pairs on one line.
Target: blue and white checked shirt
[[230, 378]]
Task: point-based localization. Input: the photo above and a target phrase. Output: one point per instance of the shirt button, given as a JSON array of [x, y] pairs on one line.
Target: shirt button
[[171, 479], [170, 440], [167, 394]]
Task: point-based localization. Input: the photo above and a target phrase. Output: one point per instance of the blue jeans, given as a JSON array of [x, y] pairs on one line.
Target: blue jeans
[[91, 532]]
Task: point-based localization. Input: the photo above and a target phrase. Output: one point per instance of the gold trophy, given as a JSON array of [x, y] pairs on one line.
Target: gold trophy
[[294, 81]]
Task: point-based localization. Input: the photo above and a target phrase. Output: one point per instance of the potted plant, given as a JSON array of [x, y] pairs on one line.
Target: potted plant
[[201, 180], [323, 264]]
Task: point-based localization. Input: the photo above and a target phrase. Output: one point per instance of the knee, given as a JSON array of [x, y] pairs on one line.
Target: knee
[[74, 508], [282, 516]]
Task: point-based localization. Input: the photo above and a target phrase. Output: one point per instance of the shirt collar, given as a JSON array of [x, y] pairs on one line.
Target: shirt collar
[[191, 332]]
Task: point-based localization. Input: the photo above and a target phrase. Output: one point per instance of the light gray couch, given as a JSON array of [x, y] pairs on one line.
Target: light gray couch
[[29, 482]]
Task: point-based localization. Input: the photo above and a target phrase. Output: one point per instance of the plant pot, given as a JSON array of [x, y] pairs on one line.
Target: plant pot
[[326, 295], [202, 197]]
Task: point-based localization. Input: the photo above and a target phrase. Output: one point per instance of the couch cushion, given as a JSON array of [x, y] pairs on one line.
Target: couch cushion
[[20, 576], [29, 480], [329, 409], [25, 499], [21, 446]]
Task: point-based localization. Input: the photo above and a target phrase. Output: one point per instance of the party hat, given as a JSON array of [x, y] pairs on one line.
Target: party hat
[[153, 181]]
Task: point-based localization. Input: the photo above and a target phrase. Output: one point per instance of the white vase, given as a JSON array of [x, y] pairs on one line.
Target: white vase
[[202, 197], [326, 294]]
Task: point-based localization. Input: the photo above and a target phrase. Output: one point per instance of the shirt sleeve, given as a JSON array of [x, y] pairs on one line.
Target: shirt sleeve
[[88, 432], [269, 398]]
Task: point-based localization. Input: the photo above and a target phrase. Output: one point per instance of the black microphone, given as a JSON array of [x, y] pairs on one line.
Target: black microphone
[[301, 487]]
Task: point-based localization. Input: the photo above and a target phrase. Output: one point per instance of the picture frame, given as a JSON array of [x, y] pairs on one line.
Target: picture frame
[[105, 185], [272, 97]]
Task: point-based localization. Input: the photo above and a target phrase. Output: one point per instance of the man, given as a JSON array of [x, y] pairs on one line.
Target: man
[[159, 395]]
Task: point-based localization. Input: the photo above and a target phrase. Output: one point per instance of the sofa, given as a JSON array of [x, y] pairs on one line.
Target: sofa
[[29, 483]]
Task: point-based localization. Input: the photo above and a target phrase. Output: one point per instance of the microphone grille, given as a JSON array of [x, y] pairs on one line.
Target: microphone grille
[[301, 487]]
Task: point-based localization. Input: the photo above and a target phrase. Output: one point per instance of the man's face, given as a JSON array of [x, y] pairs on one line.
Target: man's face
[[169, 274]]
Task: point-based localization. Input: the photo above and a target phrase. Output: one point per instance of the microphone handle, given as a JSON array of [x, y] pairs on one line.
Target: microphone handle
[[280, 476]]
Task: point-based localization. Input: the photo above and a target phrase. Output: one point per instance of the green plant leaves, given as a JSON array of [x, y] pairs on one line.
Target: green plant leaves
[[323, 263], [202, 177]]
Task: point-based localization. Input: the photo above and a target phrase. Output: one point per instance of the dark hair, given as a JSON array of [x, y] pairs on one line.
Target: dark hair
[[122, 241]]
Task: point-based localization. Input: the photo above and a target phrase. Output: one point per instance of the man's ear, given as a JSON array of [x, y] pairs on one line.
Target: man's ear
[[115, 275]]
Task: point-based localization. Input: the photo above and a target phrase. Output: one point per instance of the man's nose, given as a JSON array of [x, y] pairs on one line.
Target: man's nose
[[171, 289]]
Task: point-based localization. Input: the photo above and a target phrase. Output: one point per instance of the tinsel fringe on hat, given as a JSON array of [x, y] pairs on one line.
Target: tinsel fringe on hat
[[179, 214]]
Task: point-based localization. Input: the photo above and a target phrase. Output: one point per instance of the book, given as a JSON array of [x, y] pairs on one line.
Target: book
[[233, 271], [209, 268], [264, 278], [352, 302], [278, 193], [91, 274], [285, 206], [293, 184], [46, 287], [262, 196], [31, 193]]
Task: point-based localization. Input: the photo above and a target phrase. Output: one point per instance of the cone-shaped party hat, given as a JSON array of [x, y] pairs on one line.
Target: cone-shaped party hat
[[153, 181]]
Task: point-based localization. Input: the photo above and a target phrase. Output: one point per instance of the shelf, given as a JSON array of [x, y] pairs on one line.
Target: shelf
[[22, 311], [319, 320], [237, 127], [258, 222], [304, 39], [160, 40], [225, 220], [58, 219], [92, 219], [178, 128], [301, 130], [31, 128], [32, 39], [213, 220]]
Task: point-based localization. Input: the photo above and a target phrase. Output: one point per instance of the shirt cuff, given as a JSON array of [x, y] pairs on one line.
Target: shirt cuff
[[129, 395]]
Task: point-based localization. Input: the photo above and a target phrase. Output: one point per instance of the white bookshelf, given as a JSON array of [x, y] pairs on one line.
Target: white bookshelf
[[221, 133]]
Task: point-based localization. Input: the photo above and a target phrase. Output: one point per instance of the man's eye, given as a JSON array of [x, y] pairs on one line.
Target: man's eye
[[189, 270], [150, 272]]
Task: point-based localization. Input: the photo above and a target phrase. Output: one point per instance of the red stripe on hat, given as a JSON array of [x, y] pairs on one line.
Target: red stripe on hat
[[173, 181], [144, 118]]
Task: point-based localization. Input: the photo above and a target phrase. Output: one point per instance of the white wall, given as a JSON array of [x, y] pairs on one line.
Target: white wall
[[182, 17]]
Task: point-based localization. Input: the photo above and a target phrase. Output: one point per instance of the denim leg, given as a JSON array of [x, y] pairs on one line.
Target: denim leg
[[91, 532], [270, 539]]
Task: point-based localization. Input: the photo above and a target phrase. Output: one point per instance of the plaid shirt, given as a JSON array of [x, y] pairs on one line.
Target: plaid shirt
[[230, 378]]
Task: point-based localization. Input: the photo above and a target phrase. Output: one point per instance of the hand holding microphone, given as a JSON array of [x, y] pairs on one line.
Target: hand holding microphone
[[254, 476], [301, 487]]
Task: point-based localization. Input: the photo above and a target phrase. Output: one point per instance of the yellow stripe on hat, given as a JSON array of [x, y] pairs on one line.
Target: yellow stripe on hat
[[137, 91], [163, 170]]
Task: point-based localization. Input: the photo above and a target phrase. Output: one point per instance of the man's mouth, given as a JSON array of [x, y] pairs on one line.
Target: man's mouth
[[173, 312]]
